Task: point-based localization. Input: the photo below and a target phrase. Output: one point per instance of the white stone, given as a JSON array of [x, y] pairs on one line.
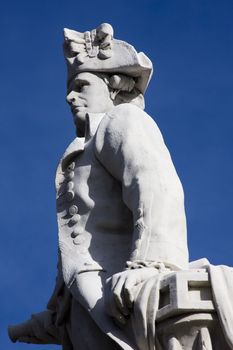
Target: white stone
[[185, 292]]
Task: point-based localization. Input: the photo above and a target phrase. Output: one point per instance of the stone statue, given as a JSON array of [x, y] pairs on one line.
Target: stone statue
[[124, 280]]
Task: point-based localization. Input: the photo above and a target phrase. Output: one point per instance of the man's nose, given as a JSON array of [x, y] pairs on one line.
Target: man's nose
[[71, 97]]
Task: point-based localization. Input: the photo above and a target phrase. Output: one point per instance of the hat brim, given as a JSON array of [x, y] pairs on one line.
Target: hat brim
[[124, 60]]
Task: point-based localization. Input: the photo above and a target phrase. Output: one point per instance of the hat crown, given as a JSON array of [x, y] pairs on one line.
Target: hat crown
[[94, 43]]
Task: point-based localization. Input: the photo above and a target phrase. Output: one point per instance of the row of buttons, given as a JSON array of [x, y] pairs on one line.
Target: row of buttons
[[73, 210]]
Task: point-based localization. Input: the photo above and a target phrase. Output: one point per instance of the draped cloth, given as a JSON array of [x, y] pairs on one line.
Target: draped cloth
[[221, 278], [144, 314], [142, 323], [147, 302]]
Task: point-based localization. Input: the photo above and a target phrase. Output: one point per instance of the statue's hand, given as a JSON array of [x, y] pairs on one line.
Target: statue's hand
[[120, 291], [21, 332], [38, 330]]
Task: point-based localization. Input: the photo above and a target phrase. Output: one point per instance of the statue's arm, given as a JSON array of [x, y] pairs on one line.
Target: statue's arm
[[130, 146], [39, 329]]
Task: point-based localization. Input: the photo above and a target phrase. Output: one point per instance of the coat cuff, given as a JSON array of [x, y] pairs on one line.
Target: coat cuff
[[137, 264]]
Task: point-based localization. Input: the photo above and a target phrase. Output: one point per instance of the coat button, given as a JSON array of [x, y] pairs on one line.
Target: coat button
[[75, 219], [75, 233], [73, 210], [71, 166], [70, 175], [70, 196], [78, 240]]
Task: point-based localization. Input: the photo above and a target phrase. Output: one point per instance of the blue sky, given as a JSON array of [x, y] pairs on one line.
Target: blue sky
[[190, 97]]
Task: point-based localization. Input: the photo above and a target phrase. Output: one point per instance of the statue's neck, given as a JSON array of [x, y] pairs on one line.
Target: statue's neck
[[88, 127]]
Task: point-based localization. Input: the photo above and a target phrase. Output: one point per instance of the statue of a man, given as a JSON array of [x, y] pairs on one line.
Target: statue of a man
[[120, 203]]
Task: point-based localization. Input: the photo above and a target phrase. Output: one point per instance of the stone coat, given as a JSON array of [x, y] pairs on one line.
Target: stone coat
[[119, 197]]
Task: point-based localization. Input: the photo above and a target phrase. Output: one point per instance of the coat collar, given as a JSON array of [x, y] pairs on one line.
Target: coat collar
[[92, 122], [78, 144]]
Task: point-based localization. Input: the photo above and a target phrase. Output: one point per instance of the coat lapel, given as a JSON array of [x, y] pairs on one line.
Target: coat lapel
[[78, 144], [76, 147]]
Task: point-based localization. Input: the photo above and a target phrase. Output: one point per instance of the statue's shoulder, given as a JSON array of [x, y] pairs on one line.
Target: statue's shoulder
[[128, 113], [125, 117], [126, 123]]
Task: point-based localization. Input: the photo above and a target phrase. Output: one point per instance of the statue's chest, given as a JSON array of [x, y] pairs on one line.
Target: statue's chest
[[90, 179], [85, 180]]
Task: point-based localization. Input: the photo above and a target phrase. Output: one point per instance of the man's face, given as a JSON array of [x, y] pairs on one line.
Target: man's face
[[88, 92]]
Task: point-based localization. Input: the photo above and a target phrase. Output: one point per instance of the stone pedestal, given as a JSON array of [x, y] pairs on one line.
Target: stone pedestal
[[184, 292], [186, 318], [199, 331]]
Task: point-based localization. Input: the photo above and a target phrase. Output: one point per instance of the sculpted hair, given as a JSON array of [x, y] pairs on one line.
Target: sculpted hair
[[122, 89]]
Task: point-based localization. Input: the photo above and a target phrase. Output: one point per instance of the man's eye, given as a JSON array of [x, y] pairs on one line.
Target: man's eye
[[79, 87]]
